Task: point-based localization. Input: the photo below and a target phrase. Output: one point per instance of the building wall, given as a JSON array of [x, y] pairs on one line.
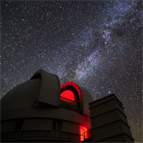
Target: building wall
[[7, 125], [37, 124], [70, 127], [45, 112], [40, 124], [108, 121]]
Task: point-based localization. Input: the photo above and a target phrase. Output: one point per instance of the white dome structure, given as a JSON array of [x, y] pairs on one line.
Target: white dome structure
[[40, 109]]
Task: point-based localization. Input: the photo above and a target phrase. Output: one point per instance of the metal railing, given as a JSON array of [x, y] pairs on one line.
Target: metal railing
[[87, 135], [40, 135]]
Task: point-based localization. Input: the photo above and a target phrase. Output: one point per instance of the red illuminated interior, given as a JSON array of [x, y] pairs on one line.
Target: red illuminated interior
[[68, 94], [83, 132], [76, 87]]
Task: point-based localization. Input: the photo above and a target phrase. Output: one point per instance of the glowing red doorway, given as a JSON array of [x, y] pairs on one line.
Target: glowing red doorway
[[83, 133]]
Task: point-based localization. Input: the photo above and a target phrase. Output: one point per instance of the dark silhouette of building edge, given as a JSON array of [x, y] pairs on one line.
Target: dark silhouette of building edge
[[34, 111]]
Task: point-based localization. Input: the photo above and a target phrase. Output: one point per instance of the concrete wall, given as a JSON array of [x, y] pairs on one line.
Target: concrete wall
[[108, 121], [7, 125], [36, 129], [40, 124], [45, 112], [37, 124], [70, 127]]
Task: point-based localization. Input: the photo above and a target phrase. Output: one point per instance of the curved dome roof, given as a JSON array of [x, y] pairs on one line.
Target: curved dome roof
[[24, 94], [42, 87]]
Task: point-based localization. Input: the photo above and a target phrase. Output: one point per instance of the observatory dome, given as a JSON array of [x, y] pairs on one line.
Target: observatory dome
[[35, 111]]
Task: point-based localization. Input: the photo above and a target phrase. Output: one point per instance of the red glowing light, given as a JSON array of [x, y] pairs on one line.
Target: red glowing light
[[68, 94], [83, 133], [75, 86]]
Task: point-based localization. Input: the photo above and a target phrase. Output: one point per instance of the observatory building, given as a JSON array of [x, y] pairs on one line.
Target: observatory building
[[41, 109]]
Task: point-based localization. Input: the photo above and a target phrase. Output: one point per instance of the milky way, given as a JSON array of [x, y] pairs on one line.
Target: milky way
[[96, 44]]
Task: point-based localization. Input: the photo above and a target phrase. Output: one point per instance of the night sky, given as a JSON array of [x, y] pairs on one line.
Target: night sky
[[96, 44]]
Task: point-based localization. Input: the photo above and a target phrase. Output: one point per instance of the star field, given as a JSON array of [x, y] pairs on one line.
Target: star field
[[96, 44]]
